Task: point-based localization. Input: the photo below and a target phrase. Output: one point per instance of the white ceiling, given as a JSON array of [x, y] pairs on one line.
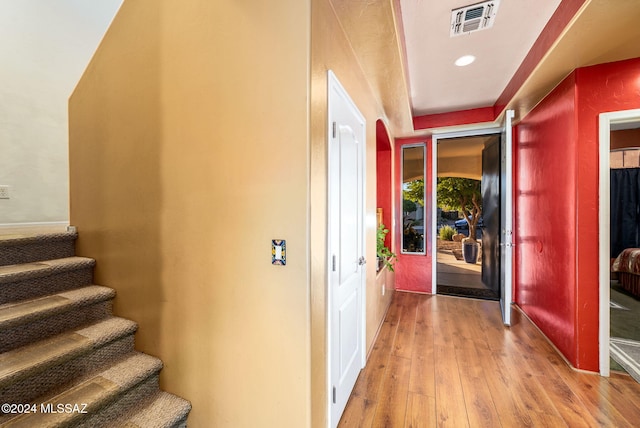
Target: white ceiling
[[406, 54], [436, 85]]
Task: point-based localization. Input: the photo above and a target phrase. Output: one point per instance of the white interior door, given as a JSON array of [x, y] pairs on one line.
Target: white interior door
[[506, 218], [346, 246]]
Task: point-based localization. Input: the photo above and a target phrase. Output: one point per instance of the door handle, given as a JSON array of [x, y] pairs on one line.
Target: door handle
[[362, 261]]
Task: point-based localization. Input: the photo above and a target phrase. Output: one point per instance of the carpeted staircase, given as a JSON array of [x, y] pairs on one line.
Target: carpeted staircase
[[65, 360]]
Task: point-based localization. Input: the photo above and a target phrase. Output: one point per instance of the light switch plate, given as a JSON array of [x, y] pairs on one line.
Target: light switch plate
[[279, 252]]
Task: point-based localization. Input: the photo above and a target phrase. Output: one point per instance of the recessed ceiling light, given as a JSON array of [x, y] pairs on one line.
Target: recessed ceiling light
[[465, 60]]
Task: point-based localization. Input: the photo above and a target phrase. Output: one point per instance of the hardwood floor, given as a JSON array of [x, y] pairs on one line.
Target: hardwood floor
[[443, 361]]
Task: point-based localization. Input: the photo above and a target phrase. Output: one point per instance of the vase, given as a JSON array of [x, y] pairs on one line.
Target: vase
[[470, 251]]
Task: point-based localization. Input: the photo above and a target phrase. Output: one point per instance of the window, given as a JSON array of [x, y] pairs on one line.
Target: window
[[413, 218]]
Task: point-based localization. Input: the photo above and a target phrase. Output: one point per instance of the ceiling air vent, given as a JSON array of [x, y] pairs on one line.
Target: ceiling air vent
[[475, 17]]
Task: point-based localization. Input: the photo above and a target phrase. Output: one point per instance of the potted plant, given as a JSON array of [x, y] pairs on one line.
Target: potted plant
[[463, 194], [384, 255]]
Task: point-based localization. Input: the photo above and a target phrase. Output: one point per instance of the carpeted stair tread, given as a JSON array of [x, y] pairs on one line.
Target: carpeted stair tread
[[164, 411], [99, 391], [61, 344], [13, 240], [14, 314], [21, 272], [32, 359], [24, 248]]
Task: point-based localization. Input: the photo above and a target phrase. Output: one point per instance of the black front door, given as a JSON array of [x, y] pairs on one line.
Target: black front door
[[491, 215]]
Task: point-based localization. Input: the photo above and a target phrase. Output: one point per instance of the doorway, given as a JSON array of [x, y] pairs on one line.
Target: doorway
[[468, 215], [619, 218], [346, 244], [506, 205]]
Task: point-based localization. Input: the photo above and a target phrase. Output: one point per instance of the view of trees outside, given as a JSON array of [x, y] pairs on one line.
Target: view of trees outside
[[463, 195]]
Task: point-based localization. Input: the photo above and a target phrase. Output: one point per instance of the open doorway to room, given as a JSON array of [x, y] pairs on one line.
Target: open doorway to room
[[623, 243], [468, 216]]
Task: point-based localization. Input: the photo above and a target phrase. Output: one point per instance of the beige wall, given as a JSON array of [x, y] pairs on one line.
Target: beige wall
[[189, 153], [197, 136], [331, 50]]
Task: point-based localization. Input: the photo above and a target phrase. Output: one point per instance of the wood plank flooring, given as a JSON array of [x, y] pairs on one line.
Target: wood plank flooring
[[443, 361]]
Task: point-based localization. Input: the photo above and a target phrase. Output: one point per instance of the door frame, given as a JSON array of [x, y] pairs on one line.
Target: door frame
[[604, 232], [333, 84], [470, 131], [506, 216]]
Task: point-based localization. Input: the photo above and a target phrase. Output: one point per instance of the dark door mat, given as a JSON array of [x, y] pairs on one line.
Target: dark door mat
[[476, 293]]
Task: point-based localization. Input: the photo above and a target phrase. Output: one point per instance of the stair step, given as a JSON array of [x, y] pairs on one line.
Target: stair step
[[14, 314], [36, 319], [29, 280], [164, 411], [91, 395], [26, 248], [35, 270], [40, 367], [61, 345]]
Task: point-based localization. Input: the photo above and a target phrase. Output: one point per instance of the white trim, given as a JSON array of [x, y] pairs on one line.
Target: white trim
[[434, 214], [604, 217], [51, 226], [331, 79], [469, 132], [463, 128], [506, 217]]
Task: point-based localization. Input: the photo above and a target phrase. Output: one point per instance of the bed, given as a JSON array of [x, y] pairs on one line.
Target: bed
[[627, 266]]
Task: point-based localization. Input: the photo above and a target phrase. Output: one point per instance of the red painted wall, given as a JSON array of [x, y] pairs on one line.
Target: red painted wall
[[601, 88], [545, 204], [384, 178], [461, 117], [557, 171], [413, 272]]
